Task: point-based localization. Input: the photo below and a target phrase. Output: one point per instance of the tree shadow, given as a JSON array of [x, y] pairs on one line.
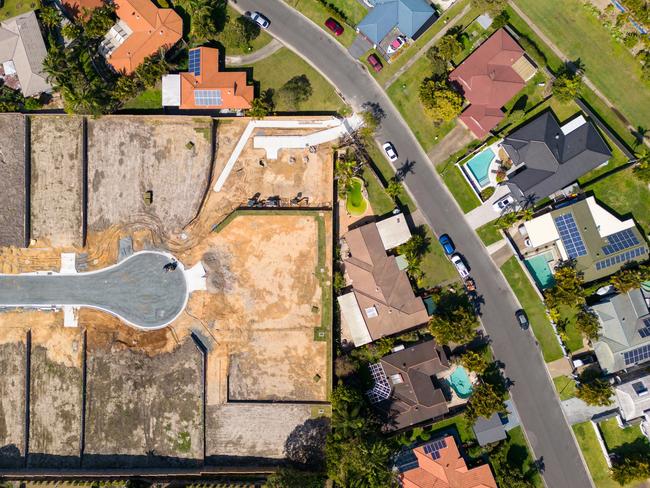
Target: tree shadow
[[376, 110], [305, 444], [405, 168]]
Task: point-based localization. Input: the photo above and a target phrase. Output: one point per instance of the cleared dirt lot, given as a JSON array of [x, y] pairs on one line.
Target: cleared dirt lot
[[155, 399], [12, 397], [130, 155], [57, 180], [13, 197]]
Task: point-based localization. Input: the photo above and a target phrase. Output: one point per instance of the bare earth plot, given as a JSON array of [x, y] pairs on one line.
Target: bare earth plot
[[156, 400], [12, 166], [128, 156], [57, 180], [12, 398]]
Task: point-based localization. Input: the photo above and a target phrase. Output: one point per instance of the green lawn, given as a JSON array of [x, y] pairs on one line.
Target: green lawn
[[276, 70], [458, 423], [623, 441], [259, 42], [489, 233], [534, 308], [355, 202], [458, 187], [387, 172], [565, 386], [572, 337], [380, 202], [608, 64], [150, 99], [11, 8], [519, 454], [319, 14], [593, 455], [436, 266]]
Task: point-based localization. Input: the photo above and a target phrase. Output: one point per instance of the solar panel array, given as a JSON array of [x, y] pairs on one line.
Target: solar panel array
[[619, 241], [195, 62], [433, 448], [644, 332], [638, 355], [570, 236], [621, 258], [381, 389], [207, 97]]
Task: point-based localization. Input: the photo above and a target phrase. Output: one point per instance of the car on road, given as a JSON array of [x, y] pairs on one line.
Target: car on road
[[375, 63], [522, 319], [260, 20], [447, 244], [503, 203], [390, 151], [395, 46], [334, 26], [460, 265]]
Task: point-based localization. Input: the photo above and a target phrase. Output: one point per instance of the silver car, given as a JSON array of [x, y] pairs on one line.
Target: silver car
[[460, 265], [260, 20]]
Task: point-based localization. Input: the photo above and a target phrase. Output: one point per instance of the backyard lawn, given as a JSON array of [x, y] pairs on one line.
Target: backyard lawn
[[11, 8], [534, 308], [572, 337], [593, 455], [458, 187], [608, 64], [565, 386], [276, 70], [150, 99], [489, 233]]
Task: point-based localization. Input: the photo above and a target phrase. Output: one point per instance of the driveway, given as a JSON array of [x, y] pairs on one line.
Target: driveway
[[359, 47], [136, 290], [485, 213], [533, 393]]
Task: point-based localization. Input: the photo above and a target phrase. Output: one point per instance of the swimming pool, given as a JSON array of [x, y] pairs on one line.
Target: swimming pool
[[459, 381], [479, 165], [540, 270]]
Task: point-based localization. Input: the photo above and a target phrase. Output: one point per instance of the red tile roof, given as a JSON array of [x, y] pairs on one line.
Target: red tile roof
[[488, 81], [76, 7], [448, 471]]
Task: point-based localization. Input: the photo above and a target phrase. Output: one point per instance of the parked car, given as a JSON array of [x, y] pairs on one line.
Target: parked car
[[260, 20], [522, 319], [395, 46], [447, 244], [334, 26], [460, 265], [375, 63], [503, 203], [390, 151]]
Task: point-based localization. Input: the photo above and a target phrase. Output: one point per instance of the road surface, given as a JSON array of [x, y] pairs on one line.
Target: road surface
[[137, 290], [547, 430]]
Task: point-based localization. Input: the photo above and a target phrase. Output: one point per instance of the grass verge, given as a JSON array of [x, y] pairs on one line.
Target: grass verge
[[521, 453], [317, 12], [459, 187], [593, 455], [565, 387], [435, 265], [489, 233], [534, 308]]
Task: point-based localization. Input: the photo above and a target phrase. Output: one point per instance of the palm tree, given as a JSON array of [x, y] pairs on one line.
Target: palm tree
[[49, 17], [394, 189]]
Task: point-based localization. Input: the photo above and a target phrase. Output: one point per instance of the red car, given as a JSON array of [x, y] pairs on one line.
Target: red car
[[375, 63], [334, 26]]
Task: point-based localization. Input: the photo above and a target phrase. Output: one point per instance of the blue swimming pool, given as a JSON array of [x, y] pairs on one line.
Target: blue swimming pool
[[540, 270], [479, 165], [460, 382]]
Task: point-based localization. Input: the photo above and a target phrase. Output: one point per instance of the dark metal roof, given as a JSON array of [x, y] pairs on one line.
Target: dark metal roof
[[489, 430]]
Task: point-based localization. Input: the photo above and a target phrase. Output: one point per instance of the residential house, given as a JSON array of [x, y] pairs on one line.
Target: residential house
[[494, 73], [633, 398], [582, 230], [141, 31], [14, 217], [489, 430], [205, 87], [624, 338], [382, 301], [388, 19], [547, 157], [22, 52], [407, 390], [439, 464]]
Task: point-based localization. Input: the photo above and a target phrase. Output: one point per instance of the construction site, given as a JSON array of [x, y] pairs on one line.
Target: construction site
[[240, 376]]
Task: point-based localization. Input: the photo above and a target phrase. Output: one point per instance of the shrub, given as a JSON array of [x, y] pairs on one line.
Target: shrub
[[487, 193]]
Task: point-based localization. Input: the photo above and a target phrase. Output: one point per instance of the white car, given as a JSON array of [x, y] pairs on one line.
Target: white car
[[503, 203], [395, 46], [389, 149], [460, 265], [260, 20]]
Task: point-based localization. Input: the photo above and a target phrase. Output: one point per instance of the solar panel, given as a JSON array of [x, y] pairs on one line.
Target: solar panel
[[638, 355], [195, 62], [644, 332], [619, 241], [573, 243], [433, 448], [621, 258], [205, 98], [381, 389]]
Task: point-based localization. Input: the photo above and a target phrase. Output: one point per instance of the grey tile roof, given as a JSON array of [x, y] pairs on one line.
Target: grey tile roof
[[552, 160], [489, 430], [408, 15]]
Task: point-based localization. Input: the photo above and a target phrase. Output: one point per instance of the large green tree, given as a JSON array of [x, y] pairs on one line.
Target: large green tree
[[568, 287], [627, 278], [295, 92], [453, 326], [440, 100], [567, 86], [596, 391], [475, 361], [587, 323], [448, 47], [486, 399], [239, 32], [631, 468]]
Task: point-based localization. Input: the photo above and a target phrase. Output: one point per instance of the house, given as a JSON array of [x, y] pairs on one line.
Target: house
[[494, 73], [14, 217], [439, 464], [624, 338], [599, 242], [489, 430], [392, 18], [633, 398], [382, 301], [141, 31], [547, 157], [205, 87], [406, 389], [22, 52]]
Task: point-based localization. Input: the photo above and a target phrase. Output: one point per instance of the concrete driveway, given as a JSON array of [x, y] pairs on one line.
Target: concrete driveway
[[136, 290], [359, 47]]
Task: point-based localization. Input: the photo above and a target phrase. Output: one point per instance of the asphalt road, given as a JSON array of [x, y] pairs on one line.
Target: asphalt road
[[539, 409], [136, 290]]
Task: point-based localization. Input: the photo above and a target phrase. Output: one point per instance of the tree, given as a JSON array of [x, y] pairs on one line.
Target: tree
[[239, 33], [633, 467], [595, 391], [99, 21], [371, 121], [207, 18], [642, 167], [440, 101], [49, 17], [344, 171], [626, 279], [448, 47], [295, 91], [359, 462], [568, 287], [492, 7], [567, 86], [295, 478], [457, 326], [587, 323], [394, 188], [475, 361], [486, 400]]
